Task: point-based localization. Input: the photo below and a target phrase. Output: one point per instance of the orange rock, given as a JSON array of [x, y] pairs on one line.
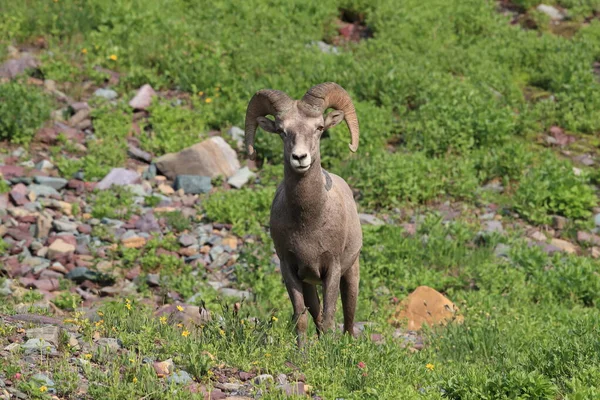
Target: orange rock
[[188, 251], [425, 306], [230, 241], [135, 242], [204, 249]]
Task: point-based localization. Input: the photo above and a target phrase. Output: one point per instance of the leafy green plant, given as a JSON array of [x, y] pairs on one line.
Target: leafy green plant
[[176, 220], [23, 109], [553, 188], [67, 301], [114, 203]]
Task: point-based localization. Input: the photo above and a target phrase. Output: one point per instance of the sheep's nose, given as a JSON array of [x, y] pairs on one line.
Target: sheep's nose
[[299, 157]]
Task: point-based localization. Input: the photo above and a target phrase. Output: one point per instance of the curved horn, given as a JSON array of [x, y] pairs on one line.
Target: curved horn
[[264, 102], [330, 94]]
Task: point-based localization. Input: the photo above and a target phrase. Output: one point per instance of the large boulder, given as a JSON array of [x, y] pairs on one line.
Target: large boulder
[[211, 158], [425, 306]]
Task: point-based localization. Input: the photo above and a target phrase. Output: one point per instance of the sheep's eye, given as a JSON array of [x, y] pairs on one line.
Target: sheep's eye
[[319, 129], [282, 133]]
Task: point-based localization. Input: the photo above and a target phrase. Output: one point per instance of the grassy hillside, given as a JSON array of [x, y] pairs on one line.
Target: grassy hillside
[[470, 111]]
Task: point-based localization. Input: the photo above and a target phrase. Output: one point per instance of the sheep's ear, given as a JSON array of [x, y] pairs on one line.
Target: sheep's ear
[[333, 118], [267, 124]]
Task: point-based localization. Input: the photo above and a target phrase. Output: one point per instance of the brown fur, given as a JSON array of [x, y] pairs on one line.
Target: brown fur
[[314, 223]]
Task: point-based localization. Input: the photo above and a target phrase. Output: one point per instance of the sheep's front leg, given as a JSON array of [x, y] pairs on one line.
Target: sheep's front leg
[[349, 289], [331, 291], [294, 289], [311, 298]]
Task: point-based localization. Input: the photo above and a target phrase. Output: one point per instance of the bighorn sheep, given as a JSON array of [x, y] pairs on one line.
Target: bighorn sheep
[[314, 219]]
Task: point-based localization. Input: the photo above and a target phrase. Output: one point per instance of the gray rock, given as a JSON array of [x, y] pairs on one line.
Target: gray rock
[[43, 226], [597, 219], [179, 377], [150, 172], [263, 379], [493, 226], [241, 177], [5, 289], [107, 94], [48, 333], [235, 293], [325, 48], [216, 251], [43, 190], [143, 98], [368, 219], [138, 153], [110, 344], [220, 260], [153, 279], [193, 184], [64, 226], [37, 346], [44, 165], [559, 222], [147, 223], [236, 133], [551, 11], [12, 68], [43, 380], [187, 240], [211, 158], [118, 177]]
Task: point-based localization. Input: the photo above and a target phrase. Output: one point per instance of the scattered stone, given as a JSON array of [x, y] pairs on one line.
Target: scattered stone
[[43, 380], [59, 249], [187, 240], [48, 333], [563, 245], [166, 189], [107, 94], [595, 252], [153, 280], [180, 378], [597, 220], [163, 368], [43, 191], [325, 47], [44, 165], [425, 306], [235, 293], [538, 236], [236, 133], [43, 225], [119, 177], [559, 222], [588, 238], [135, 242], [64, 226], [211, 158], [553, 12], [493, 226], [12, 68], [502, 250], [5, 287], [368, 219], [143, 98], [147, 223], [56, 183], [18, 194], [138, 153], [111, 344], [263, 379], [241, 177], [35, 346], [293, 389], [193, 184]]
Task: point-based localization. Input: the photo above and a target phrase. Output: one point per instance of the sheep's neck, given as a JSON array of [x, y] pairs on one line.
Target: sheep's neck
[[305, 194]]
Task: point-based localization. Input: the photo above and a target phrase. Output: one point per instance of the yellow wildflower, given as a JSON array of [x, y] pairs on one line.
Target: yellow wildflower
[[200, 93], [134, 379], [87, 356], [163, 320], [128, 305], [208, 100], [179, 308], [185, 333], [43, 389], [100, 313], [84, 51], [430, 366], [131, 360], [113, 57], [268, 355], [180, 325], [274, 318], [221, 332]]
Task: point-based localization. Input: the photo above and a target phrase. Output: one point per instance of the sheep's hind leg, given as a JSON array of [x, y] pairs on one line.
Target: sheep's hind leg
[[349, 289], [311, 298], [294, 288]]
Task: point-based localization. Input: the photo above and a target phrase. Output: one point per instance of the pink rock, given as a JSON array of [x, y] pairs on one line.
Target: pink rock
[[18, 194], [143, 98], [70, 239], [12, 171], [12, 68], [119, 177]]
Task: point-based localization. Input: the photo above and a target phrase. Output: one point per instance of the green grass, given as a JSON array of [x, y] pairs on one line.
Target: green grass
[[450, 96]]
